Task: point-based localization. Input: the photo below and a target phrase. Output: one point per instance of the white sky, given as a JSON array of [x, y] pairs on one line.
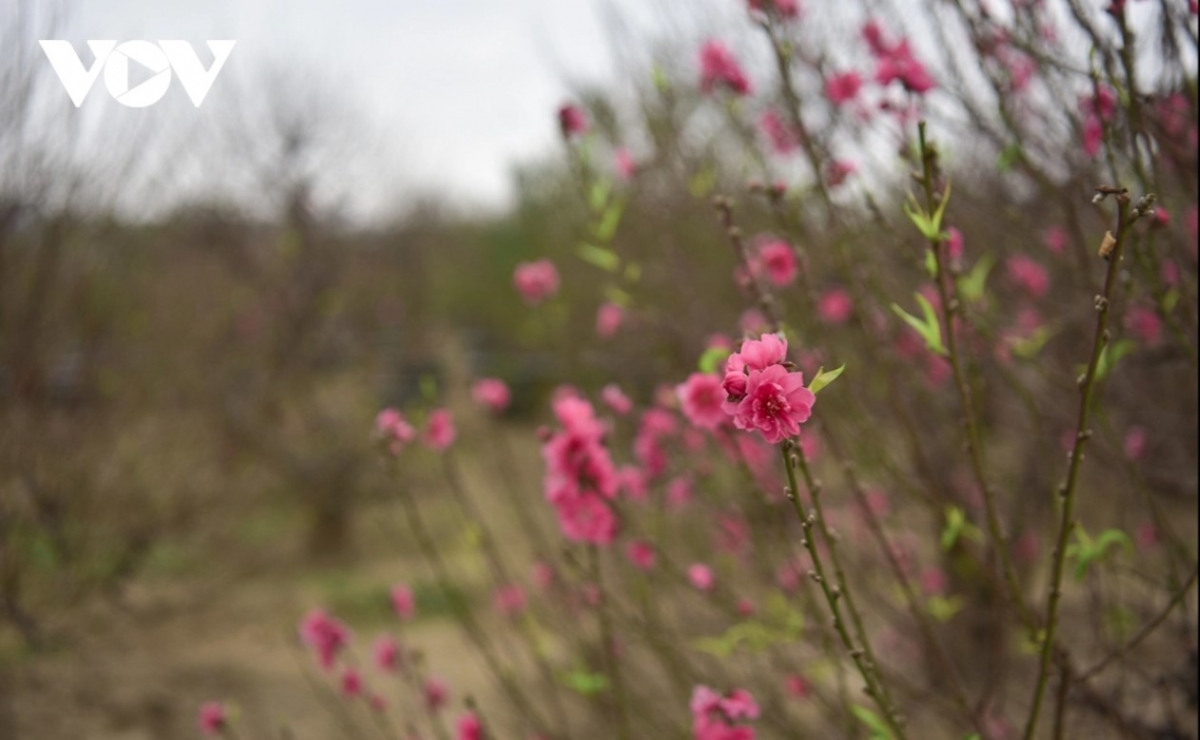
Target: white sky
[[456, 92], [441, 96]]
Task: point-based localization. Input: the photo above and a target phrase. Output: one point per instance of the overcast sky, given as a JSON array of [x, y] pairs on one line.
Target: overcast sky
[[457, 92]]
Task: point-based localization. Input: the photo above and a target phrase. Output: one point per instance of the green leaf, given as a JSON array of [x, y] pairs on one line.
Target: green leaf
[[1170, 300], [933, 337], [1086, 551], [958, 527], [1010, 156], [429, 388], [701, 183], [607, 226], [787, 625], [1028, 347], [586, 682], [920, 219], [879, 728], [1121, 622], [943, 608], [605, 259], [824, 378], [633, 272], [930, 328], [598, 196], [781, 612], [973, 283], [472, 536], [613, 294], [713, 646], [1112, 537], [658, 76], [1111, 355], [1031, 644], [931, 263], [710, 361], [940, 212], [955, 521]]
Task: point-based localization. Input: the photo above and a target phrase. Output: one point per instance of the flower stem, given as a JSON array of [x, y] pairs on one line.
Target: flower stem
[[793, 457], [502, 578], [472, 627], [608, 648], [1067, 492], [949, 309]]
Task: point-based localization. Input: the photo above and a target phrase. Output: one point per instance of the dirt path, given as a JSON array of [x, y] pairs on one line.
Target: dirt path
[[140, 671]]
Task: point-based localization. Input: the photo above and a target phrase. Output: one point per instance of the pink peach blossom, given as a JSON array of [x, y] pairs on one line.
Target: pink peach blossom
[[439, 430], [615, 399], [798, 687], [701, 576], [1029, 275], [586, 518], [469, 727], [679, 492], [752, 321], [933, 582], [1146, 536], [543, 575], [536, 281], [843, 88], [701, 398], [778, 261], [386, 653], [1135, 443], [1056, 239], [572, 121], [510, 600], [641, 554], [760, 354], [896, 62], [776, 404], [1145, 324], [325, 635], [633, 482], [732, 534], [715, 717], [352, 684], [391, 427], [212, 718], [938, 370], [1170, 273], [1027, 548], [403, 602], [838, 171], [491, 393], [719, 68], [835, 306], [625, 164], [608, 319], [436, 693], [785, 8], [783, 139], [954, 244]]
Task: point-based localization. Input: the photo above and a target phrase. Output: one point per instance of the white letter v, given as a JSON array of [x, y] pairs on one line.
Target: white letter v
[[196, 81], [69, 67]]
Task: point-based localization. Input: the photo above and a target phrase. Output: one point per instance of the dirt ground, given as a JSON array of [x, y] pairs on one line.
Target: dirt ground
[[139, 669]]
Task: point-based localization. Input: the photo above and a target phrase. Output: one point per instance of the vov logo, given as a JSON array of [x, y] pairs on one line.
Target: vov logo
[[160, 59]]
